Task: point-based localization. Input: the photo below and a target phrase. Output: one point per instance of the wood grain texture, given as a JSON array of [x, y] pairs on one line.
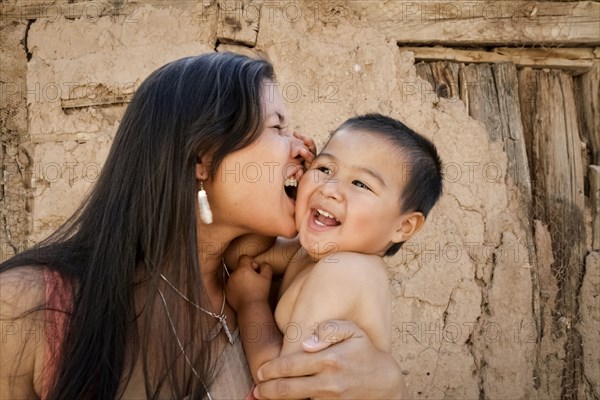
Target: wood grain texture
[[576, 61], [554, 148], [511, 127], [594, 177], [511, 23], [479, 93], [587, 94]]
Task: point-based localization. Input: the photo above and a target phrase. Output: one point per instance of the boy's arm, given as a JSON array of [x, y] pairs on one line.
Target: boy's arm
[[260, 336], [278, 252], [247, 292], [355, 288]]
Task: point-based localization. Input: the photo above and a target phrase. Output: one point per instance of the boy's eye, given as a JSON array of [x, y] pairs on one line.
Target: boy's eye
[[361, 185]]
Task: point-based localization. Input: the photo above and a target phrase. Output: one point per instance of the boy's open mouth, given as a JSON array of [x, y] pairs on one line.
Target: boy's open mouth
[[291, 188], [323, 218]]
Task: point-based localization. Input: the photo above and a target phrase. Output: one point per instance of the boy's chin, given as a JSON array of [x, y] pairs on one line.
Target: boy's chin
[[316, 250], [289, 233]]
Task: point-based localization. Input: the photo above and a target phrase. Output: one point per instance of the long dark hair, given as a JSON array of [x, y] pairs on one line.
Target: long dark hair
[[140, 220]]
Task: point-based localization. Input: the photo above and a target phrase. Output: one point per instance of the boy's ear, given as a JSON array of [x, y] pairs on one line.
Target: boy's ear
[[409, 225]]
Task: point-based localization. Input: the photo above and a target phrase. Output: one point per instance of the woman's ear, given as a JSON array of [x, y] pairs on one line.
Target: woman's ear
[[409, 224], [202, 168]]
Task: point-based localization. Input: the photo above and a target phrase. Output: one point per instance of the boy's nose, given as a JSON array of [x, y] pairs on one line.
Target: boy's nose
[[330, 189]]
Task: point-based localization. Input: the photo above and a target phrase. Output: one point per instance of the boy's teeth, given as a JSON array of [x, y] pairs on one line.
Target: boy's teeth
[[319, 223], [326, 214]]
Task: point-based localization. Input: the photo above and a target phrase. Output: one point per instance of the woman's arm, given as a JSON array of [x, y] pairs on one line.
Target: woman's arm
[[22, 336], [354, 289], [346, 366]]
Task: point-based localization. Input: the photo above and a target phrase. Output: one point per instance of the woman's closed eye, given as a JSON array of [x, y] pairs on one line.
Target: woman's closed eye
[[324, 169], [281, 129]]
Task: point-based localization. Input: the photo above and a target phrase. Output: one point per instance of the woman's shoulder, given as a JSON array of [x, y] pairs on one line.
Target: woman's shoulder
[[21, 289]]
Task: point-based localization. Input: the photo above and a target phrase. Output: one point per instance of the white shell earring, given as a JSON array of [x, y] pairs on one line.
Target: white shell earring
[[205, 211]]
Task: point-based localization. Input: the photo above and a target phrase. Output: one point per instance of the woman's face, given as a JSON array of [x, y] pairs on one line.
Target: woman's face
[[248, 191]]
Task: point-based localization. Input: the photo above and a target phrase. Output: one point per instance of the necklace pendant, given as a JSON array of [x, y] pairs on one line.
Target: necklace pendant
[[212, 333], [223, 321]]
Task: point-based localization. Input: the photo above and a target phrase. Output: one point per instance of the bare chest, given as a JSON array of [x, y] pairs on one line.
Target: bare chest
[[292, 284]]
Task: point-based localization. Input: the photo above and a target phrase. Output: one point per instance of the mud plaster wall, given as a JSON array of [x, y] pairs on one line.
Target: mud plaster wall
[[13, 130], [464, 325]]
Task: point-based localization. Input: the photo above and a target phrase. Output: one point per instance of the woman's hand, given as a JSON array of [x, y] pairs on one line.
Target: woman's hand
[[351, 369]]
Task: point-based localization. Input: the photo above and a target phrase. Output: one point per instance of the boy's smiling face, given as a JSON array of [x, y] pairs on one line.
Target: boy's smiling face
[[350, 198]]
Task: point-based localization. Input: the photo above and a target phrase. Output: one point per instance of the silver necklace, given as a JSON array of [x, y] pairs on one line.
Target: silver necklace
[[187, 359], [221, 317]]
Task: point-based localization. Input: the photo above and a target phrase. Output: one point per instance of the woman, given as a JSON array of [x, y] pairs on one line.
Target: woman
[[130, 290]]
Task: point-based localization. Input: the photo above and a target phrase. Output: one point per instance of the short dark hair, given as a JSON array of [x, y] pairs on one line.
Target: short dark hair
[[424, 184]]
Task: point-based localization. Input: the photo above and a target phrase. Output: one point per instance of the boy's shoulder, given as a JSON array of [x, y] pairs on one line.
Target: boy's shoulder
[[348, 266], [349, 260], [358, 284]]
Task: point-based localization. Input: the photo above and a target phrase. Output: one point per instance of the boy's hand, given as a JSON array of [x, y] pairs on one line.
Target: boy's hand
[[251, 244], [248, 283], [309, 155]]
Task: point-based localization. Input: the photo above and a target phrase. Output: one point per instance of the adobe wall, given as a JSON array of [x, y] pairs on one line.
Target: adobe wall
[[464, 324]]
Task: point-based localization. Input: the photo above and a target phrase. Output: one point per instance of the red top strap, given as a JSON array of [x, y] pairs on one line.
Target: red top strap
[[59, 304]]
